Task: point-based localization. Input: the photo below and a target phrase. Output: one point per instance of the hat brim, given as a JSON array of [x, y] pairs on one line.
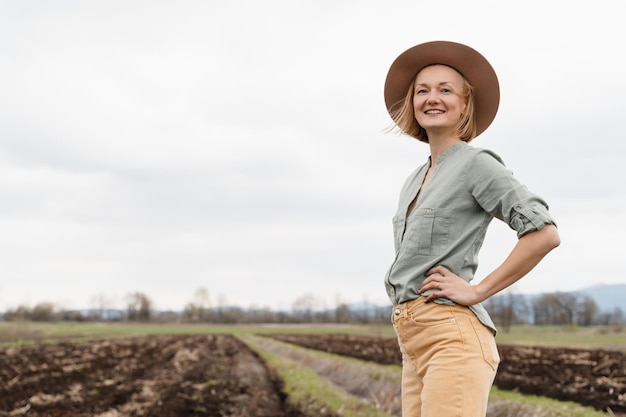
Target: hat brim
[[467, 61]]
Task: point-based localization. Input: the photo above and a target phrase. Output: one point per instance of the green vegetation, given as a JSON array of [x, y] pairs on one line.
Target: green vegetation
[[368, 381], [569, 336], [310, 392], [26, 332], [511, 404], [594, 337]]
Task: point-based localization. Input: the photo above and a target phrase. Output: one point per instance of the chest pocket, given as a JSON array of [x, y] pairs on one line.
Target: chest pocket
[[427, 231]]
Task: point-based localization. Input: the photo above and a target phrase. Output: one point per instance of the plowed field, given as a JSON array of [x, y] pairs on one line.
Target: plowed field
[[164, 376], [595, 378], [218, 375]]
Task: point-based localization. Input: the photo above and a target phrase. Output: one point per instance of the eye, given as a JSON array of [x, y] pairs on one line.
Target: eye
[[446, 90], [421, 91]]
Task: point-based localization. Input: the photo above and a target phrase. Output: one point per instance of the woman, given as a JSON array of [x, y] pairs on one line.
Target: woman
[[445, 94]]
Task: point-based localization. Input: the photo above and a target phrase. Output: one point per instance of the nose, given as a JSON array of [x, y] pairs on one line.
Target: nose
[[432, 98]]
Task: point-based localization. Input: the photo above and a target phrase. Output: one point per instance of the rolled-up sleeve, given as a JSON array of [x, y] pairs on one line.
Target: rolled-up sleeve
[[499, 193]]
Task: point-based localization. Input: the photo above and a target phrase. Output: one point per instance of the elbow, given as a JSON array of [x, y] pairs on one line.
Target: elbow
[[551, 237], [542, 241]]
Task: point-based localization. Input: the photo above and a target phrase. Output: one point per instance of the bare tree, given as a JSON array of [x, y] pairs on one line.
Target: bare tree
[[342, 313], [303, 307], [222, 304], [507, 309], [612, 318], [560, 308], [18, 313], [617, 317], [198, 310], [43, 312], [261, 315], [100, 304], [139, 307], [546, 310], [587, 311]]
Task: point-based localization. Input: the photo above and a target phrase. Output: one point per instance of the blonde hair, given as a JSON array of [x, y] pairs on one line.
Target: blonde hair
[[404, 116]]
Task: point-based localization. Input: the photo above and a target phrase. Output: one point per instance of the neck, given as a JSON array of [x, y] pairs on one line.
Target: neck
[[438, 144]]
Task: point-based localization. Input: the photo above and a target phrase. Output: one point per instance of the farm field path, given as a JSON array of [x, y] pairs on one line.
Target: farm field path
[[369, 381]]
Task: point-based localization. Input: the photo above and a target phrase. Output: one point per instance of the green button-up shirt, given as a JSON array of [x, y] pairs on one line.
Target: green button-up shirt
[[447, 226]]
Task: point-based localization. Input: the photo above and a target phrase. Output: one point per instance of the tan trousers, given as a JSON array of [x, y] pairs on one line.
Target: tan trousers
[[449, 360]]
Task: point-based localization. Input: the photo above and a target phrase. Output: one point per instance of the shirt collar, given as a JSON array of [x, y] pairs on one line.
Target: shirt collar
[[450, 151]]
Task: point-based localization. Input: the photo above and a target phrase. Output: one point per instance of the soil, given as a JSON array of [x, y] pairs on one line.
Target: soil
[[218, 375], [165, 376], [595, 378]]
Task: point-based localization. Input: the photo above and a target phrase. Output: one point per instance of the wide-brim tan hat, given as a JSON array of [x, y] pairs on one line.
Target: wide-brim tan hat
[[467, 61]]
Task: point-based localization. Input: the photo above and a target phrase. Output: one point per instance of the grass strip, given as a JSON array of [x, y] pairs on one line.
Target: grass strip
[[501, 403], [374, 383], [24, 332], [310, 392], [512, 404]]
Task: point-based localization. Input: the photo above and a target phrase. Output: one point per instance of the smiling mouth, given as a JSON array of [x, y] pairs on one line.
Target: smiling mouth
[[434, 112]]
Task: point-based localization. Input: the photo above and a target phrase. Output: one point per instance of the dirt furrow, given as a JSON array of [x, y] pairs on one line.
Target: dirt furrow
[[165, 376]]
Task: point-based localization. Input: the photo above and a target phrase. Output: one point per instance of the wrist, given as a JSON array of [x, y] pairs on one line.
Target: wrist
[[480, 293]]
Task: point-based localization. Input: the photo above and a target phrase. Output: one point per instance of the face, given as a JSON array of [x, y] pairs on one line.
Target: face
[[438, 102]]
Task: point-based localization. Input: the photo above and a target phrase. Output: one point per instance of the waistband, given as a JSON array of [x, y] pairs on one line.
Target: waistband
[[402, 310]]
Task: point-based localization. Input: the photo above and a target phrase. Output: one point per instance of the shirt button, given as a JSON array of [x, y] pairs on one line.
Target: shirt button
[[429, 210], [397, 312]]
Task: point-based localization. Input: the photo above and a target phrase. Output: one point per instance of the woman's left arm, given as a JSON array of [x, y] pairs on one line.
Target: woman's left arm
[[527, 253]]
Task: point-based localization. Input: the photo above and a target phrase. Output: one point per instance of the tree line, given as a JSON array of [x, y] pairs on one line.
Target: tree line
[[556, 308], [507, 309]]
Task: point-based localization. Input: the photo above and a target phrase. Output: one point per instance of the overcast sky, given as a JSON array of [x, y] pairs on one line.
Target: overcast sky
[[240, 146]]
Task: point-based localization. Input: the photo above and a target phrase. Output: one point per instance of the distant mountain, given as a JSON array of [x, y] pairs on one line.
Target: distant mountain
[[607, 296]]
